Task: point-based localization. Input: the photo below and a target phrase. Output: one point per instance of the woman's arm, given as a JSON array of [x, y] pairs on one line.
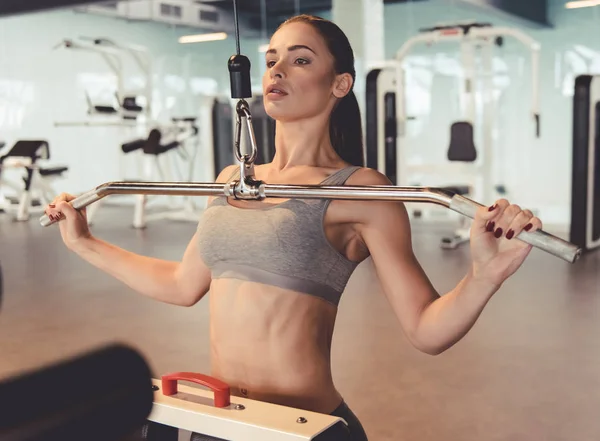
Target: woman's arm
[[432, 323], [180, 283]]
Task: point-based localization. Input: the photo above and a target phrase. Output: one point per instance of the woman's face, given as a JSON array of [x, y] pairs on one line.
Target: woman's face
[[299, 81]]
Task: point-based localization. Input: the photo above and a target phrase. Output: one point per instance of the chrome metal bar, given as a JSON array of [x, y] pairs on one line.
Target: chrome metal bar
[[381, 193], [539, 239]]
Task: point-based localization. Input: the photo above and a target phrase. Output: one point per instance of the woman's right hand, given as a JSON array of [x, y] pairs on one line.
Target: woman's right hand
[[73, 223]]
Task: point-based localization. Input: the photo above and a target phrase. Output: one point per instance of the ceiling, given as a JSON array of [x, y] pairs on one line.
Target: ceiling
[[279, 10], [276, 10], [282, 7]]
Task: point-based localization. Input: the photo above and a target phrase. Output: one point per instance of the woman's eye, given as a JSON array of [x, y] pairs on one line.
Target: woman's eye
[[302, 61], [270, 63]]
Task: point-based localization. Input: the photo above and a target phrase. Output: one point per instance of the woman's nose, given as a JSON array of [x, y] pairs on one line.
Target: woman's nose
[[277, 71]]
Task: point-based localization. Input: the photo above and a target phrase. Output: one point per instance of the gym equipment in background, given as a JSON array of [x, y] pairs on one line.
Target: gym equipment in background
[[125, 112], [36, 190], [102, 395], [215, 413], [222, 127], [386, 117], [166, 148], [178, 146], [585, 188], [125, 109], [153, 149], [264, 130]]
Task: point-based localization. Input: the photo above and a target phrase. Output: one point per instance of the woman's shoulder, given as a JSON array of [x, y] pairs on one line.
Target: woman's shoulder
[[368, 176], [384, 211], [227, 173]]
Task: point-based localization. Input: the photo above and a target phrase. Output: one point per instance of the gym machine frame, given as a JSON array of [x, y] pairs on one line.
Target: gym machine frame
[[112, 52], [469, 35], [181, 132], [585, 178], [216, 413], [24, 156], [142, 58]]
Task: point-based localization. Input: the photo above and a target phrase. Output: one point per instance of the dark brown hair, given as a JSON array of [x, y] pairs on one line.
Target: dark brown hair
[[345, 125]]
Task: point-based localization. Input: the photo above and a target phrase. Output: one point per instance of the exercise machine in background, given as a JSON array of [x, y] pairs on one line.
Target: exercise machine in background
[[150, 150], [264, 130], [585, 188], [223, 127], [167, 148], [143, 59], [127, 104], [386, 116], [35, 191], [170, 148], [130, 110]]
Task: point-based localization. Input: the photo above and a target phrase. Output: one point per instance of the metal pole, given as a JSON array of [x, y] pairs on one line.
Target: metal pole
[[256, 190]]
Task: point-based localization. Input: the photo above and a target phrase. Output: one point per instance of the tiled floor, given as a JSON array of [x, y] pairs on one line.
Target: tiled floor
[[529, 370]]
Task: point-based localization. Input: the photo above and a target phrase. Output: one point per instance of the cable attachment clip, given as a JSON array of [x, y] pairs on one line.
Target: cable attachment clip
[[239, 76], [247, 187]]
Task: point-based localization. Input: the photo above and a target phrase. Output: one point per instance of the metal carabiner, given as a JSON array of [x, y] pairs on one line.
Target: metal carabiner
[[243, 111], [247, 187]]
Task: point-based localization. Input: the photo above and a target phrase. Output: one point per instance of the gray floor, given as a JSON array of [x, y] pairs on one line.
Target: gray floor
[[529, 370]]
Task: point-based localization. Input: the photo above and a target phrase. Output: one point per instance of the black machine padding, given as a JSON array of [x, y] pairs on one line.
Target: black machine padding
[[462, 146]]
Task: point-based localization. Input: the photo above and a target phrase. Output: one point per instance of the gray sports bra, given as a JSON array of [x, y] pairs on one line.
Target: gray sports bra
[[282, 244]]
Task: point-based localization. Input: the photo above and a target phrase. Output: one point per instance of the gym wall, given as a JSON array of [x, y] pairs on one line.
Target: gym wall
[[41, 85], [536, 172]]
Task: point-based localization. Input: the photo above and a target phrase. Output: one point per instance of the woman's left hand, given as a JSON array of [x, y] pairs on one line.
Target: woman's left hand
[[495, 251]]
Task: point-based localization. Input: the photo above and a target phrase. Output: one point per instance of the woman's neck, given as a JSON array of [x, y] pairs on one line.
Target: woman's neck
[[303, 143]]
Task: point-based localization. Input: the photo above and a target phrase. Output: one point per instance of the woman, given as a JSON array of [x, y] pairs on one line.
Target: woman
[[273, 301]]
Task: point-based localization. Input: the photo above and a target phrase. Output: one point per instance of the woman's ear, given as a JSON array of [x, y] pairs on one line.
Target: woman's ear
[[342, 85]]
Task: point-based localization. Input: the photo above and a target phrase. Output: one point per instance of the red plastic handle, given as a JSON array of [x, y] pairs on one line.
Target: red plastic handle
[[221, 389]]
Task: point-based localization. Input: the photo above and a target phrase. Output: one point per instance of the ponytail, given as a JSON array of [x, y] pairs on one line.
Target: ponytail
[[345, 130]]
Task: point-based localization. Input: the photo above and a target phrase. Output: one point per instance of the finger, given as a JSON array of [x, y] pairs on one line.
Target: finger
[[486, 217], [51, 208], [56, 217], [503, 222], [525, 221], [519, 223], [536, 224], [66, 209]]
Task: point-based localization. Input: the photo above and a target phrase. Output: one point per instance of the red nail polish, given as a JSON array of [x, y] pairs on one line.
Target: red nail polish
[[490, 226], [528, 227], [498, 233], [52, 206], [493, 207], [510, 234]]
